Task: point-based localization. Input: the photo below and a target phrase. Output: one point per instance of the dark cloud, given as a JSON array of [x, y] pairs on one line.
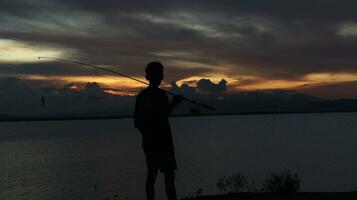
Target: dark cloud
[[333, 91], [47, 68], [276, 39], [202, 87], [13, 87], [20, 98], [206, 85], [183, 89], [289, 10]]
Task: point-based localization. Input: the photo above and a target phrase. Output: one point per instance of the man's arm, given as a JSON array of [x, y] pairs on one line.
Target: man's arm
[[137, 113]]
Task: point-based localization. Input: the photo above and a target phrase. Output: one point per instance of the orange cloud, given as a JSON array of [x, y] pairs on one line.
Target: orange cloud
[[274, 84], [121, 93], [306, 81], [107, 81], [235, 84]]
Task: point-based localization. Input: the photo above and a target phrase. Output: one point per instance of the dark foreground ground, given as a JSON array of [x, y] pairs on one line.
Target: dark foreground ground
[[270, 196]]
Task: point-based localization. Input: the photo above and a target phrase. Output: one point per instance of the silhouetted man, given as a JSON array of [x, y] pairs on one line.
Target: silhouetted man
[[152, 110]]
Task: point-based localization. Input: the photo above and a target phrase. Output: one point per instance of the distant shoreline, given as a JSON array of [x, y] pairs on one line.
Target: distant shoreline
[[276, 196], [73, 118]]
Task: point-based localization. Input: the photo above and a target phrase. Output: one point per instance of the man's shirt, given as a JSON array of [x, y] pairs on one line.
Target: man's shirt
[[152, 111]]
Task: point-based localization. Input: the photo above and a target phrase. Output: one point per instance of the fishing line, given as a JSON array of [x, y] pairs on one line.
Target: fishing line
[[124, 75]]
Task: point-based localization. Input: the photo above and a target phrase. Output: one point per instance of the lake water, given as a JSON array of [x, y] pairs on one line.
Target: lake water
[[68, 159]]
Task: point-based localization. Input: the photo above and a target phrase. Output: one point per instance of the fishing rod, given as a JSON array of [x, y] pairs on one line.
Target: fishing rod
[[124, 75]]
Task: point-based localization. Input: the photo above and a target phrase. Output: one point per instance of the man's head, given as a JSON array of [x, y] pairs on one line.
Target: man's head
[[154, 73]]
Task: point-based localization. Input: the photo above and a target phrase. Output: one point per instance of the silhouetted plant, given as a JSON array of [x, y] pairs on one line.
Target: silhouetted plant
[[284, 182], [199, 192], [251, 187], [195, 194], [233, 183]]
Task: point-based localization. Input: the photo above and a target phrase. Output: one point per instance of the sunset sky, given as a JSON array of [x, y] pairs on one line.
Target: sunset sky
[[304, 45]]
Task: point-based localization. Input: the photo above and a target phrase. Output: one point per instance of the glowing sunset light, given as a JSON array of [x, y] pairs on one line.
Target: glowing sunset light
[[273, 84], [121, 93], [331, 78], [108, 81], [73, 87], [18, 52], [310, 79], [235, 83]]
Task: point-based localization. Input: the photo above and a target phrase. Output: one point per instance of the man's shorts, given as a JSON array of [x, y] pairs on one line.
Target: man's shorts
[[163, 160]]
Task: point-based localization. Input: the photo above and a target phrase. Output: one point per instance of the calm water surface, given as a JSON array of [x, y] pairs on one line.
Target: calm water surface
[[69, 159]]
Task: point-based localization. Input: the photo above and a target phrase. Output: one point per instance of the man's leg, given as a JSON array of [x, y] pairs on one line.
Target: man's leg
[[150, 182], [170, 185]]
